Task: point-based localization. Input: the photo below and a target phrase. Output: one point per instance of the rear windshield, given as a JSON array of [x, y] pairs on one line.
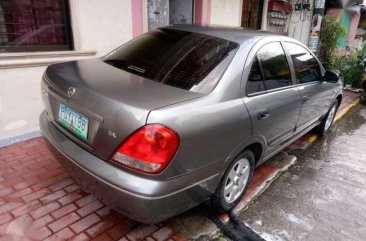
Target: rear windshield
[[181, 59]]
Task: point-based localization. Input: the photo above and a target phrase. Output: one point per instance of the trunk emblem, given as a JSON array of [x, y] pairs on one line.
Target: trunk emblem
[[71, 91], [111, 133]]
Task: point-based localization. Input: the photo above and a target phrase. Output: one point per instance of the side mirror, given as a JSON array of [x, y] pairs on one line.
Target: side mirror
[[331, 76]]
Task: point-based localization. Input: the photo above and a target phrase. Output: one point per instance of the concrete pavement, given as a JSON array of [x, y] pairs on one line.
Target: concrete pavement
[[323, 196]]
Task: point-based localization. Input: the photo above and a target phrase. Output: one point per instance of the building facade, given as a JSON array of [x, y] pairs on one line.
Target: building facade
[[36, 33]]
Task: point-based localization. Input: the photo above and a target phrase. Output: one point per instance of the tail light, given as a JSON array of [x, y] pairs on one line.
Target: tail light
[[149, 149]]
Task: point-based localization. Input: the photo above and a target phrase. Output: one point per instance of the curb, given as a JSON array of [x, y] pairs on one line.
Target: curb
[[16, 139], [345, 109], [289, 161]]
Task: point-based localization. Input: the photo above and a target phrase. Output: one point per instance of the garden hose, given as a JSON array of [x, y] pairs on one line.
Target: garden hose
[[240, 232]]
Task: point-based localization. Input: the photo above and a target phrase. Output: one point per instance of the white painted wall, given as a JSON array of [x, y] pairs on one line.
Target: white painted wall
[[20, 100], [97, 25], [103, 25], [226, 12]]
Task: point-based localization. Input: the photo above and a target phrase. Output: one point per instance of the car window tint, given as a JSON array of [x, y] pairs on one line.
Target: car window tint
[[255, 81], [306, 66], [181, 59], [275, 67]]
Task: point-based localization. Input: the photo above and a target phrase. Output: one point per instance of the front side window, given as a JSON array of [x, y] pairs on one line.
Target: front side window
[[306, 66], [185, 60], [41, 25], [276, 71]]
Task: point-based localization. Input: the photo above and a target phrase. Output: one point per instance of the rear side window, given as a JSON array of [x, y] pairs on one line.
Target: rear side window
[[306, 67], [255, 80], [270, 69], [276, 71], [181, 59]]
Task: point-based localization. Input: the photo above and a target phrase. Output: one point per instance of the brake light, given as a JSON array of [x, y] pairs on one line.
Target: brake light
[[149, 149]]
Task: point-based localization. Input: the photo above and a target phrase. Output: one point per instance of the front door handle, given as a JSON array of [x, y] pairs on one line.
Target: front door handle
[[305, 99], [263, 114]]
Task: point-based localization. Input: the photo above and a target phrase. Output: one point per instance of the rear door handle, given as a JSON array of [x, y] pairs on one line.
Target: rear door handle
[[305, 99], [263, 114]]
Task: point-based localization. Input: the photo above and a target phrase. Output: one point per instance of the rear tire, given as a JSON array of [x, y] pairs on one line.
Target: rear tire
[[234, 183], [327, 121]]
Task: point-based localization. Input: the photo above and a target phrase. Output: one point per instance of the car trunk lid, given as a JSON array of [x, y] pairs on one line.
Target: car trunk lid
[[115, 102]]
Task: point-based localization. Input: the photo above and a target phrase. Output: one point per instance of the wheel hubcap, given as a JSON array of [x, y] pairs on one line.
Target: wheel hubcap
[[330, 117], [236, 181]]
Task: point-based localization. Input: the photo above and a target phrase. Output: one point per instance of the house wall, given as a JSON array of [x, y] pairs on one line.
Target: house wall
[[226, 12], [353, 29], [98, 28], [345, 21], [349, 20], [299, 22], [20, 102], [103, 27], [359, 39]]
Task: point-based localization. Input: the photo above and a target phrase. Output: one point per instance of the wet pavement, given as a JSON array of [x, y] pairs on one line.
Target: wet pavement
[[323, 196]]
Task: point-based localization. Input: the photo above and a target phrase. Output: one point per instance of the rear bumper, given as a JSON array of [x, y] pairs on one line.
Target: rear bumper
[[137, 197]]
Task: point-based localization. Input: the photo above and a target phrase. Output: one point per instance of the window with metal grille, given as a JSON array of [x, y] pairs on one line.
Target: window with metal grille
[[34, 25]]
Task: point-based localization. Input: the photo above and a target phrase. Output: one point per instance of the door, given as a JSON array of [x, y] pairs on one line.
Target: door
[[158, 12], [181, 12], [164, 12], [315, 93], [273, 103], [251, 16]]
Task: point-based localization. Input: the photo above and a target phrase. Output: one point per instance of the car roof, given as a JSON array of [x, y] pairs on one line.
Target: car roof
[[235, 34]]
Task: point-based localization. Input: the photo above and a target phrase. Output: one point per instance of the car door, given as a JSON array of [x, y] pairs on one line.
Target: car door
[[272, 101], [315, 93]]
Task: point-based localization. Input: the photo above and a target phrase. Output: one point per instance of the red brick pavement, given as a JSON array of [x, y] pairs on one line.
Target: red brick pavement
[[348, 98], [35, 188], [36, 194], [38, 199]]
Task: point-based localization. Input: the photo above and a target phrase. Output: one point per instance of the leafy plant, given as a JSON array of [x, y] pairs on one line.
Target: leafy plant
[[331, 32], [362, 52], [350, 66]]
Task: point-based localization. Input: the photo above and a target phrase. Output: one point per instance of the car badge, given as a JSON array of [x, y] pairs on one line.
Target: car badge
[[71, 91], [111, 133]]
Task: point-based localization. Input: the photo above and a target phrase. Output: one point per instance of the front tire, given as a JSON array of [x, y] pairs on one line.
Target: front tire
[[234, 183], [327, 121]]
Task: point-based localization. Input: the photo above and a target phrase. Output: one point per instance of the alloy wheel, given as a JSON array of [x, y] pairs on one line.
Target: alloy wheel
[[237, 180], [330, 117]]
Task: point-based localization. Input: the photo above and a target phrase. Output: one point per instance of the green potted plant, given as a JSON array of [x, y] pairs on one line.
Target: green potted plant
[[330, 33]]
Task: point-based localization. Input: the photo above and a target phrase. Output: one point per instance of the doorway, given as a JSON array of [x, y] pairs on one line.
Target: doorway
[[251, 16], [167, 12]]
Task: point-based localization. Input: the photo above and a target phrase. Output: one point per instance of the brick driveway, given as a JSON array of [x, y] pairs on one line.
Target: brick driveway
[[36, 190], [37, 194], [40, 200]]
